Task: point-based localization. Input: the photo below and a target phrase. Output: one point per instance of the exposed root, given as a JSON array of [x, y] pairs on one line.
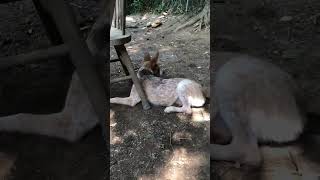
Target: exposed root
[[202, 19]]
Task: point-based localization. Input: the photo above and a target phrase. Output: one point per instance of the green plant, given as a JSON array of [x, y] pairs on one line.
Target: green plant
[[158, 6]]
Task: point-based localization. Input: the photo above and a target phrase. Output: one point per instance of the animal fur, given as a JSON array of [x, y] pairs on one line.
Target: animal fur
[[256, 102], [164, 92], [72, 123]]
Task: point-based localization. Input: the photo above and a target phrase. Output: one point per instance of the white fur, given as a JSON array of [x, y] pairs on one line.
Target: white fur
[[166, 92], [72, 123]]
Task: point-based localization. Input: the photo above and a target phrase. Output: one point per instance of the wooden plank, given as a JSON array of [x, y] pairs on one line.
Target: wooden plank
[[120, 79], [123, 17], [125, 58], [116, 37], [54, 36], [7, 1], [114, 60], [34, 56]]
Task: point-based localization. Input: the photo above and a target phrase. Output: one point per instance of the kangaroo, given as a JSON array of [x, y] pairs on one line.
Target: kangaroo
[[256, 103], [164, 92], [71, 124]]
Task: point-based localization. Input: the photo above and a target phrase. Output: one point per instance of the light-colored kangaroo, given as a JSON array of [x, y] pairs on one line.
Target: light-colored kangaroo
[[256, 103], [76, 119], [164, 92]]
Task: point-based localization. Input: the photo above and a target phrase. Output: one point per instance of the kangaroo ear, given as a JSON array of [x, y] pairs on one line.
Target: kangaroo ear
[[156, 57], [147, 56]]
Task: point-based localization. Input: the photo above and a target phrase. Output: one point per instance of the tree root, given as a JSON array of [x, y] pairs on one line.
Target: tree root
[[202, 19]]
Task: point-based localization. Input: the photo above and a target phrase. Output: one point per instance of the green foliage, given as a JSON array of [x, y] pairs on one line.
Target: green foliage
[[158, 6], [136, 6]]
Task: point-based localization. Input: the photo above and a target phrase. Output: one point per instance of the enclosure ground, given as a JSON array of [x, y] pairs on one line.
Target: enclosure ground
[[152, 144]]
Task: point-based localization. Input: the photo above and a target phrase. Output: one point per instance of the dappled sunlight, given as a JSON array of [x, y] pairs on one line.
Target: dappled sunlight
[[130, 19], [180, 136], [200, 115], [180, 165], [182, 117], [133, 49], [114, 139]]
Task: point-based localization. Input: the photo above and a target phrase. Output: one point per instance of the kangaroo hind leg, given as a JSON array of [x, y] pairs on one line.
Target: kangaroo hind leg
[[243, 147]]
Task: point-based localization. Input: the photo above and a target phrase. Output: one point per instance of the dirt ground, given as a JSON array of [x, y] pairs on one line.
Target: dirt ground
[[286, 32], [151, 144]]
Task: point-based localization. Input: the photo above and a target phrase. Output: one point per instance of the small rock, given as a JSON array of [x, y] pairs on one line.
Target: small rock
[[255, 28], [160, 17], [286, 18], [164, 13], [156, 23], [28, 20], [30, 31], [130, 19], [149, 24], [91, 19], [237, 165], [144, 17], [275, 52]]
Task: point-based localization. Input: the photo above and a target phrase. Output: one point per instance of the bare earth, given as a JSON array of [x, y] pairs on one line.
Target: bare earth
[[151, 144]]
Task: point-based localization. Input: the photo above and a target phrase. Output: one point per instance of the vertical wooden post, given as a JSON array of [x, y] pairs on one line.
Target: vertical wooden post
[[123, 17]]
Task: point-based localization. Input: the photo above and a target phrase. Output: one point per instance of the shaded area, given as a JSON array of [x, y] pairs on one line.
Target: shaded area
[[41, 88], [39, 157]]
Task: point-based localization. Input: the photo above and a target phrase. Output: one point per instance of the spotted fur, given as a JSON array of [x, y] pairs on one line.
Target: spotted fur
[[164, 92]]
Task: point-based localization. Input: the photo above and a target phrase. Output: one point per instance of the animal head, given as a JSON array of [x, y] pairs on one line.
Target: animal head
[[150, 66]]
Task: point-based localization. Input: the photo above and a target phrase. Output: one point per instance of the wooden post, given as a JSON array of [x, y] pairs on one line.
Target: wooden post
[[60, 51], [85, 63], [125, 58], [123, 17]]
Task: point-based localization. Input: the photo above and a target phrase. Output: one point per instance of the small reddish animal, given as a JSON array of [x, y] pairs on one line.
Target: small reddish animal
[[164, 92]]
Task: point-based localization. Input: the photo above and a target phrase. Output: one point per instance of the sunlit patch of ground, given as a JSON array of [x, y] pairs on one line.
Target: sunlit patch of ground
[[151, 144], [180, 165]]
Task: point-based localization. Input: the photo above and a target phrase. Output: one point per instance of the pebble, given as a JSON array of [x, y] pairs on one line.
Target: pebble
[[286, 18]]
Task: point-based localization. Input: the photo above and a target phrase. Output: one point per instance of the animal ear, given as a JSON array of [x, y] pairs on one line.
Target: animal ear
[[156, 56], [147, 56]]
